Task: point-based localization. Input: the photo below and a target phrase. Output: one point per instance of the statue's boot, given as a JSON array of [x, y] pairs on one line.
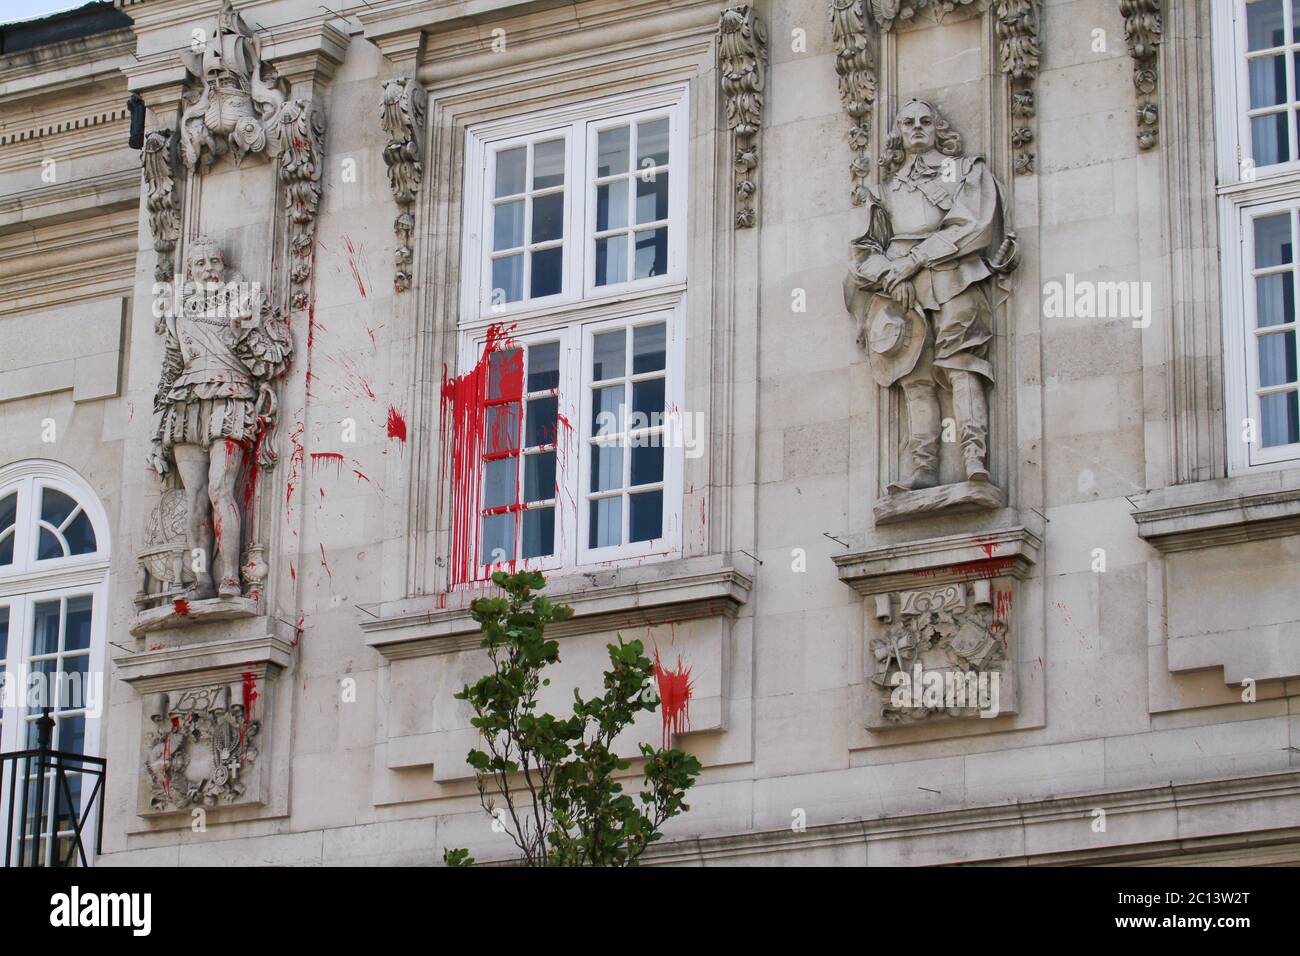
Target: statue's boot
[[918, 479], [923, 442], [970, 407]]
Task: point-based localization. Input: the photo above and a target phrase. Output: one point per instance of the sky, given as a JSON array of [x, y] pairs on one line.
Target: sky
[[11, 10]]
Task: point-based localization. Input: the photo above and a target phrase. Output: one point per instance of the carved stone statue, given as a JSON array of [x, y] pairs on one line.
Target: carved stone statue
[[224, 347], [919, 287]]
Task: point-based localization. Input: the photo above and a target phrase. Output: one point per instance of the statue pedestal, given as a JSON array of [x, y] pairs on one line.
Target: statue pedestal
[[945, 499], [182, 613]]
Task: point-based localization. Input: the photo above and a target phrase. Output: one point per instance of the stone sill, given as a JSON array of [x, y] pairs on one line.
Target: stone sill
[[938, 561], [1225, 511], [637, 596]]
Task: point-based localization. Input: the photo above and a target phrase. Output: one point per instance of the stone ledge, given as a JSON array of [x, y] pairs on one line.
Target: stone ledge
[[963, 497], [260, 650], [643, 595], [1225, 511], [181, 615], [936, 561], [965, 836]]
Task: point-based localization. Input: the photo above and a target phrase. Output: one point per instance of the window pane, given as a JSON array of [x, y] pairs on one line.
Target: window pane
[[1270, 139], [1277, 359], [647, 403], [502, 425], [649, 348], [506, 374], [8, 510], [606, 467], [508, 229], [1295, 19], [543, 418], [4, 636], [80, 535], [548, 268], [498, 538], [607, 410], [611, 260], [508, 279], [500, 482], [1267, 81], [76, 631], [543, 367], [651, 253], [612, 149], [7, 549], [652, 143], [72, 685], [539, 533], [648, 463], [606, 523], [1275, 299], [45, 634], [548, 164], [1264, 26], [611, 206], [548, 217], [1272, 240], [608, 358], [539, 477], [56, 506], [647, 516], [1281, 414], [652, 198], [49, 547], [510, 171]]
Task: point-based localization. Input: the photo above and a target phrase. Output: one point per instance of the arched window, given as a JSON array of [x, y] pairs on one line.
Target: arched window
[[54, 555]]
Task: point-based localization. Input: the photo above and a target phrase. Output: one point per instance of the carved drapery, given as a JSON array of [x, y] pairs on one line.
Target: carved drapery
[[1143, 28], [742, 47], [158, 159], [855, 62], [403, 121]]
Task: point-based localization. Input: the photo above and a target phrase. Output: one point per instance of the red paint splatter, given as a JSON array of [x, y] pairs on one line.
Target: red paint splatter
[[361, 477], [397, 424], [675, 687], [984, 569], [181, 607], [361, 286], [297, 630], [325, 564], [464, 414], [156, 647], [295, 461], [321, 457], [1001, 614]]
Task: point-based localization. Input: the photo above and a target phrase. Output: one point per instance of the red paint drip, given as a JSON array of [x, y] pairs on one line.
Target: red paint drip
[[397, 424], [675, 688], [463, 427], [319, 457], [361, 286], [181, 607]]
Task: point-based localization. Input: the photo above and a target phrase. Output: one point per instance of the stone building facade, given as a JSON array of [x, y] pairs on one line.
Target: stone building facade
[[875, 344]]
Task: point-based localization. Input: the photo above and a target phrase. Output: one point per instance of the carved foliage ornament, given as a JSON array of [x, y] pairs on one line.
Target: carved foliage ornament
[[742, 47], [1018, 49], [1142, 29], [403, 121], [888, 13], [855, 62], [158, 159], [243, 109]]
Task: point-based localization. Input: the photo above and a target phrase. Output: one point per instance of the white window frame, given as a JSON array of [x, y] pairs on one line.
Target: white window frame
[[28, 582], [578, 123], [573, 461], [1244, 194]]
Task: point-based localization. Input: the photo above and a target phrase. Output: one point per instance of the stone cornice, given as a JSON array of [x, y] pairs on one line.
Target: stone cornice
[[67, 65], [218, 653], [1195, 812], [672, 591], [29, 208], [1207, 514], [937, 561]]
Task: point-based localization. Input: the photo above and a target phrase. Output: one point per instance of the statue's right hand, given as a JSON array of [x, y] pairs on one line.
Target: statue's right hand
[[158, 460]]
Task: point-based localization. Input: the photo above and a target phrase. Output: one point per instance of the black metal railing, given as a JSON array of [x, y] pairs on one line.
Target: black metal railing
[[36, 820]]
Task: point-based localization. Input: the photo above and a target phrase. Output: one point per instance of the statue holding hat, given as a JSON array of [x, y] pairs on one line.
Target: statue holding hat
[[919, 288]]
